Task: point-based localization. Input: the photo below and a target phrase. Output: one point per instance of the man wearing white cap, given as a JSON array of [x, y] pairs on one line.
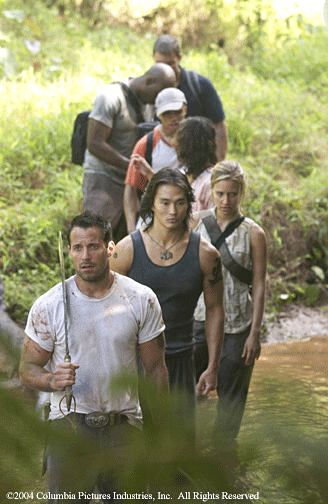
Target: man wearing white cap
[[171, 109]]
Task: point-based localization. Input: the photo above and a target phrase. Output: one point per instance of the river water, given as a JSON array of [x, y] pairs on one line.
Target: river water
[[287, 412], [282, 449]]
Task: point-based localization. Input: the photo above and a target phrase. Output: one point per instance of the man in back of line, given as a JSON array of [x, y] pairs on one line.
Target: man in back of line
[[112, 134], [111, 317], [202, 98]]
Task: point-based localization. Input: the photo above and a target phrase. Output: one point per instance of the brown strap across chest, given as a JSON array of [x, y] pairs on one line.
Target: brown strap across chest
[[218, 240]]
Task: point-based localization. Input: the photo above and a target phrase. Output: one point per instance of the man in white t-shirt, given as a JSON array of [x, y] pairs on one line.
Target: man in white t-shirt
[[171, 109], [110, 318]]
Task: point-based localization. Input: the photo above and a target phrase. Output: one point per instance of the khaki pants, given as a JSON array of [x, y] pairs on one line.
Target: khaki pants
[[104, 197]]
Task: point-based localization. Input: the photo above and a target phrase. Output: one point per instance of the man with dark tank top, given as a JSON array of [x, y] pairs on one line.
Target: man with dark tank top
[[177, 264]]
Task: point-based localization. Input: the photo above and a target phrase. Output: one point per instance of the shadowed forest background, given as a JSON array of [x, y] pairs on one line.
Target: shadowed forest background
[[271, 74]]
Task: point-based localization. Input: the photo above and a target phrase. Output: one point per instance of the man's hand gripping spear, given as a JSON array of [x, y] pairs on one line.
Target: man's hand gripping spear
[[68, 390]]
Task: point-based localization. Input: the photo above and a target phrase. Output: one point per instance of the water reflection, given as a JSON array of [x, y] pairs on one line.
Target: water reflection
[[290, 391], [283, 444]]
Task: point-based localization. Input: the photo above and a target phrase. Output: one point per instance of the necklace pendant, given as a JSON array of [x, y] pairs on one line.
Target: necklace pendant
[[166, 255]]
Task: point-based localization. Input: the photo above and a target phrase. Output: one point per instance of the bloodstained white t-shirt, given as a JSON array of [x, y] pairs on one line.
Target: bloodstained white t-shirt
[[103, 335]]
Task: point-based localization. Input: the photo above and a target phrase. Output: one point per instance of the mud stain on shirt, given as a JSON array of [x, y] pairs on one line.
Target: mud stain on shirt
[[151, 303]]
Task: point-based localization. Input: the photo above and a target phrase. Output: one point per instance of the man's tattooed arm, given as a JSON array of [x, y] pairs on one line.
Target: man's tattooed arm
[[216, 275]]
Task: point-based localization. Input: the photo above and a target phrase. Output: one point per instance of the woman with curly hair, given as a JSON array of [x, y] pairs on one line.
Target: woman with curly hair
[[196, 151]]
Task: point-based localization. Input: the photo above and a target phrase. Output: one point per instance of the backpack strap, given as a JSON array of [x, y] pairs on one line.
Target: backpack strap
[[132, 99], [214, 231], [243, 274], [218, 240], [194, 86], [195, 80], [149, 148]]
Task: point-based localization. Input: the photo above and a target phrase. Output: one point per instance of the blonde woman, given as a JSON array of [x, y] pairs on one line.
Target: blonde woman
[[242, 246]]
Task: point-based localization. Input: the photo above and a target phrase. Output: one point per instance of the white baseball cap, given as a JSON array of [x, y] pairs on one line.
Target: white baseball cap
[[169, 99]]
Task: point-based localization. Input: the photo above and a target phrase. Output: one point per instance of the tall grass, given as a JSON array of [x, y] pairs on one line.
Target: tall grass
[[276, 107]]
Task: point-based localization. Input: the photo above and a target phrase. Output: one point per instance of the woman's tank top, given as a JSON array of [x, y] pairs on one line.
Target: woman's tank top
[[237, 299], [177, 287]]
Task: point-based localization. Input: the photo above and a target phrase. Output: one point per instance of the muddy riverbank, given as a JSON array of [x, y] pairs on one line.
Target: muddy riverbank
[[296, 323]]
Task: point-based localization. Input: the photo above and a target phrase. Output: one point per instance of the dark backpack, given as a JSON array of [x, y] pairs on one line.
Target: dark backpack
[[80, 128], [79, 137]]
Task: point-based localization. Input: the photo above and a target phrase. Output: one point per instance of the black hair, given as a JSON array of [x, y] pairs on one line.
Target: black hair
[[87, 220], [167, 176], [196, 144], [167, 44]]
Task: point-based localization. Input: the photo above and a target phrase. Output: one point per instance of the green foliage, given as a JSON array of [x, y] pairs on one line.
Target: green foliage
[[281, 450], [273, 84], [276, 105], [22, 440], [301, 61]]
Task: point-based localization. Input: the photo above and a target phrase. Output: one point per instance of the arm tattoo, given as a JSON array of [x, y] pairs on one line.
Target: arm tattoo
[[216, 273]]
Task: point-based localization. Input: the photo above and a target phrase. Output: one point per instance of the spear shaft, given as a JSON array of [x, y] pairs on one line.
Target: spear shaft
[[67, 358]]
